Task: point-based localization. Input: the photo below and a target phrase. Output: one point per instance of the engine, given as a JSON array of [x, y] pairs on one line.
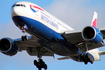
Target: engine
[[92, 34], [95, 54], [8, 46]]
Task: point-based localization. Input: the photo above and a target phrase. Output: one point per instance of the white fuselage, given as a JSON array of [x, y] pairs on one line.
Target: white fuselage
[[41, 16]]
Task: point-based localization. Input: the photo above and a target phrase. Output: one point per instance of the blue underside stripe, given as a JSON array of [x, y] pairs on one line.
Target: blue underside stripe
[[41, 28]]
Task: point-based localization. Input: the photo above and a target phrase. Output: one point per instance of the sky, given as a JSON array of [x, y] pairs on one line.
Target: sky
[[76, 13]]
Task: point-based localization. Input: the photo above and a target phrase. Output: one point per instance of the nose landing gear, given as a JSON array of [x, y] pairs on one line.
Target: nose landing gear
[[86, 56], [24, 37]]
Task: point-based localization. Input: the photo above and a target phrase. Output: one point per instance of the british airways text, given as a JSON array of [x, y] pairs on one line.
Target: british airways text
[[49, 21]]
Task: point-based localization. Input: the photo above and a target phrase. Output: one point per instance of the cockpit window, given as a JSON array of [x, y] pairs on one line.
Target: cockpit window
[[19, 5], [23, 5]]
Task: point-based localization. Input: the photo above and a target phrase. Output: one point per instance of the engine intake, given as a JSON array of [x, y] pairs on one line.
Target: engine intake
[[88, 33], [8, 47], [92, 34]]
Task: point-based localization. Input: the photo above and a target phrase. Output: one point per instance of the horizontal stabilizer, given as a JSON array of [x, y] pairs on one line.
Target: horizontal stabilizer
[[63, 58], [102, 53]]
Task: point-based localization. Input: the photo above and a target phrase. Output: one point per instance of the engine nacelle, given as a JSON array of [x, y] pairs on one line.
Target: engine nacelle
[[8, 47], [92, 34], [95, 54]]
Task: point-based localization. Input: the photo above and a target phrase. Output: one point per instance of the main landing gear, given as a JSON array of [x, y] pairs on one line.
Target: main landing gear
[[40, 64], [86, 57]]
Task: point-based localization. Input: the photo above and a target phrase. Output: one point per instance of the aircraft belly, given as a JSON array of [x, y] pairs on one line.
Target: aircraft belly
[[61, 50]]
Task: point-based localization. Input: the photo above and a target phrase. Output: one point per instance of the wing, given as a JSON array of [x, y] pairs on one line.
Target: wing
[[75, 37], [90, 33], [63, 58], [102, 31], [31, 46]]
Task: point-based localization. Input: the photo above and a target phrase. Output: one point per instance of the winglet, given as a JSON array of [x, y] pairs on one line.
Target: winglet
[[94, 20]]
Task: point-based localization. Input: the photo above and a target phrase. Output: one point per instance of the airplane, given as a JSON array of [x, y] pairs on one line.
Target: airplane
[[49, 36]]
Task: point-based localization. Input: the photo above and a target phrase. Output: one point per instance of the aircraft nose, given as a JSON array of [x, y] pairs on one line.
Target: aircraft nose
[[18, 9], [14, 11], [15, 14]]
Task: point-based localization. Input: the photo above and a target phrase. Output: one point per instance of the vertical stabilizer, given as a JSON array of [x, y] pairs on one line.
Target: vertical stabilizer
[[94, 20]]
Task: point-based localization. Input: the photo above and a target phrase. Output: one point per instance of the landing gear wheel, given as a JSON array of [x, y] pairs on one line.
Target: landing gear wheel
[[35, 63], [91, 62], [85, 62], [41, 64], [45, 66], [89, 58], [24, 38]]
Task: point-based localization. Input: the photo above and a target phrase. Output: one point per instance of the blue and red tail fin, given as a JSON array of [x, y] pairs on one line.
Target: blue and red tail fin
[[94, 20]]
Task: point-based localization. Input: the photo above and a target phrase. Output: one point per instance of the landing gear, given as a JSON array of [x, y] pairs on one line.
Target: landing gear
[[90, 59], [40, 64], [86, 57], [24, 37]]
